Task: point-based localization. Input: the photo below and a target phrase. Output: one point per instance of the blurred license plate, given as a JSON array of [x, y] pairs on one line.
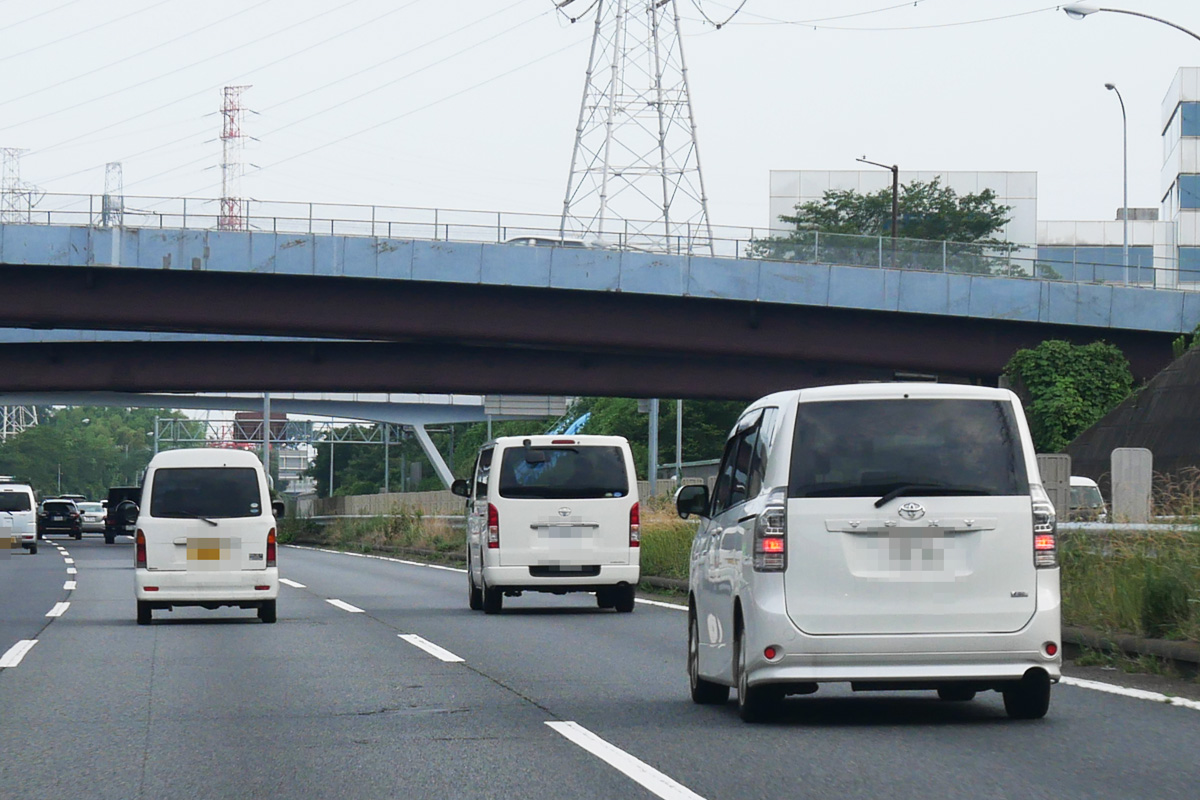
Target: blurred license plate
[[56, 518]]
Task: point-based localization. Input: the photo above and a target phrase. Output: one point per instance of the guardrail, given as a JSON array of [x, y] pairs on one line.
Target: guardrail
[[408, 222]]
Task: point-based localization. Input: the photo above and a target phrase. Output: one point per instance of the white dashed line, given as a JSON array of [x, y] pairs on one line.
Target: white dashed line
[[431, 648], [59, 609], [1124, 691], [64, 552], [68, 560], [653, 780], [16, 653], [293, 584], [72, 571], [345, 606], [69, 586]]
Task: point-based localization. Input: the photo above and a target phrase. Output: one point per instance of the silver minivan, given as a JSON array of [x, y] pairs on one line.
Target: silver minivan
[[889, 536], [552, 514]]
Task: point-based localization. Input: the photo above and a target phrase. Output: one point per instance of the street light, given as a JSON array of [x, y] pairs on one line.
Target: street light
[[1125, 178], [895, 199], [1081, 10]]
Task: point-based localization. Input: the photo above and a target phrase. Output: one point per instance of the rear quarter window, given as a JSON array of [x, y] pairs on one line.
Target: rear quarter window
[[213, 492]]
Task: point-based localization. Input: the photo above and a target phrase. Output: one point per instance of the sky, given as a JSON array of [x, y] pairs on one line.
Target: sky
[[473, 104]]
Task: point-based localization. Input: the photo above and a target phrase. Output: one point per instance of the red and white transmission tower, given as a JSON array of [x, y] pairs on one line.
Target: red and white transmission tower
[[233, 205]]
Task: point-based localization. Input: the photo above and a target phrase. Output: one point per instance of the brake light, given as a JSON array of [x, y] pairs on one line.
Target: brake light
[[770, 535], [271, 548], [563, 441], [1045, 530], [493, 531], [139, 558], [635, 526]]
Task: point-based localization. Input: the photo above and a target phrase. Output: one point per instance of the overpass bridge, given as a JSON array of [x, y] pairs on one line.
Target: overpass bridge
[[311, 310]]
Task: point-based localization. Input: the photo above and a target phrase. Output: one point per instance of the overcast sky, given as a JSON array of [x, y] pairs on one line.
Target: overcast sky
[[472, 104]]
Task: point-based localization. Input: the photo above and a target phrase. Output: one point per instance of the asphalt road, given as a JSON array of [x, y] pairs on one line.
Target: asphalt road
[[333, 703]]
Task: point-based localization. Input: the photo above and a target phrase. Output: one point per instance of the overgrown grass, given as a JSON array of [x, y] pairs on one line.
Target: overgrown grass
[[666, 540], [404, 528]]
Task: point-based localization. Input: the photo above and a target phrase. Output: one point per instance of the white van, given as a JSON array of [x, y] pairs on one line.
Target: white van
[[18, 515], [892, 536], [1087, 504], [552, 514], [205, 533]]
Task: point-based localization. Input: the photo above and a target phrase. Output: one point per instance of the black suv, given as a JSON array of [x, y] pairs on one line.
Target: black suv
[[112, 523], [59, 516]]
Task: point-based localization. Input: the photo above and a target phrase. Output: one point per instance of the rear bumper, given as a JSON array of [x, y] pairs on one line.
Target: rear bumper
[[519, 578], [212, 589]]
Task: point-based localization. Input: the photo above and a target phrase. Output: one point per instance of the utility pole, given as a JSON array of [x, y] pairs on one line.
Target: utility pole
[[895, 199]]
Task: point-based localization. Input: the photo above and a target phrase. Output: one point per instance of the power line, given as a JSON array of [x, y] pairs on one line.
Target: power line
[[89, 29], [715, 24], [36, 16]]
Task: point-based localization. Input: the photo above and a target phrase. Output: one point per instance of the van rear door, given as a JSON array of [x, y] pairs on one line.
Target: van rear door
[[206, 518], [564, 505], [909, 516]]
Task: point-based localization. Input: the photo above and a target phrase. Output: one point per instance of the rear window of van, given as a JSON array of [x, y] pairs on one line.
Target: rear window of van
[[214, 492], [15, 501], [865, 448], [563, 472]]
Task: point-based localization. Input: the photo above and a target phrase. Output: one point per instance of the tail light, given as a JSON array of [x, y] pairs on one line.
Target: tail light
[[139, 557], [1045, 530], [493, 532], [271, 548], [635, 527], [770, 535]]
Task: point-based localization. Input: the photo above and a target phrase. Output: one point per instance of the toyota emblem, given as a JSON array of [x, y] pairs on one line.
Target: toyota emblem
[[912, 511], [564, 512]]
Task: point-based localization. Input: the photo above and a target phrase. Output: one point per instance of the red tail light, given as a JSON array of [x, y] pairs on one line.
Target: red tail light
[[139, 557], [271, 548], [635, 527], [770, 540], [493, 531]]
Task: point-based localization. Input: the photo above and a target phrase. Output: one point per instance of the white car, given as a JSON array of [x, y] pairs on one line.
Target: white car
[[92, 516], [891, 536], [18, 516], [205, 534], [552, 514]]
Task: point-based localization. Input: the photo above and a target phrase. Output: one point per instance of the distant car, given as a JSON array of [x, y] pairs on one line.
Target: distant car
[[1087, 504], [113, 526], [93, 516], [78, 498], [546, 241], [59, 517], [18, 518]]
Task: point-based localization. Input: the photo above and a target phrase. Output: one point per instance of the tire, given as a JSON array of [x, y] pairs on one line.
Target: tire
[[266, 611], [623, 598], [77, 536], [956, 694], [110, 538], [474, 593], [755, 703], [705, 693], [604, 598], [1028, 698], [493, 599], [33, 550], [144, 614]]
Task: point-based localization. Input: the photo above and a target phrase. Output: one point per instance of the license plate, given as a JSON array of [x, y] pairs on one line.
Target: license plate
[[56, 519]]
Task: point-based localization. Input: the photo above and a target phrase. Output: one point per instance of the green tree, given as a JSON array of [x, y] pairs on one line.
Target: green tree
[[835, 229], [1068, 388]]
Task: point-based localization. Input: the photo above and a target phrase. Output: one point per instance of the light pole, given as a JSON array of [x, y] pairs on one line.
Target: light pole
[[1125, 180], [1081, 10], [895, 199]]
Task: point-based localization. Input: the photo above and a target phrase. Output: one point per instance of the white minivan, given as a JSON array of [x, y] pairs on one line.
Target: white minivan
[[892, 536], [205, 533], [552, 514], [18, 515]]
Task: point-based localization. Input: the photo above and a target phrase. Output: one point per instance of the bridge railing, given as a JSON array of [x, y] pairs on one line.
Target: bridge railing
[[464, 225]]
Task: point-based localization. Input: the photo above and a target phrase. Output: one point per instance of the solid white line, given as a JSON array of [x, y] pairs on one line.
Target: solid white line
[[344, 606], [59, 609], [378, 558], [617, 758], [660, 604], [293, 584], [16, 653], [69, 586], [1124, 691], [72, 571], [430, 647]]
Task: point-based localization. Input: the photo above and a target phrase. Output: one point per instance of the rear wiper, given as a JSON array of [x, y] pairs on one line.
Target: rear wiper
[[920, 488], [190, 515]]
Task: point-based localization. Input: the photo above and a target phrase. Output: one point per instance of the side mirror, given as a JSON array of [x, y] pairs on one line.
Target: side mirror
[[460, 488], [278, 508], [692, 499], [127, 512]]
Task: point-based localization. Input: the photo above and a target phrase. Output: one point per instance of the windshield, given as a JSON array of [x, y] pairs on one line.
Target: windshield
[[870, 448], [576, 472], [206, 492], [90, 508], [1086, 497], [15, 501], [61, 507]]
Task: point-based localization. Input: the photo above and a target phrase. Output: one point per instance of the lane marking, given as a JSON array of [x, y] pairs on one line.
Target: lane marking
[[59, 609], [661, 604], [460, 570], [69, 560], [1124, 691], [16, 653], [72, 571], [64, 552], [69, 586], [293, 584], [641, 772], [429, 647], [345, 606]]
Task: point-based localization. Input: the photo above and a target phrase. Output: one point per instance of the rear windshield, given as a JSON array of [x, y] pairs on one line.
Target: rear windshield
[[563, 472], [15, 501], [205, 492], [59, 507], [868, 448]]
